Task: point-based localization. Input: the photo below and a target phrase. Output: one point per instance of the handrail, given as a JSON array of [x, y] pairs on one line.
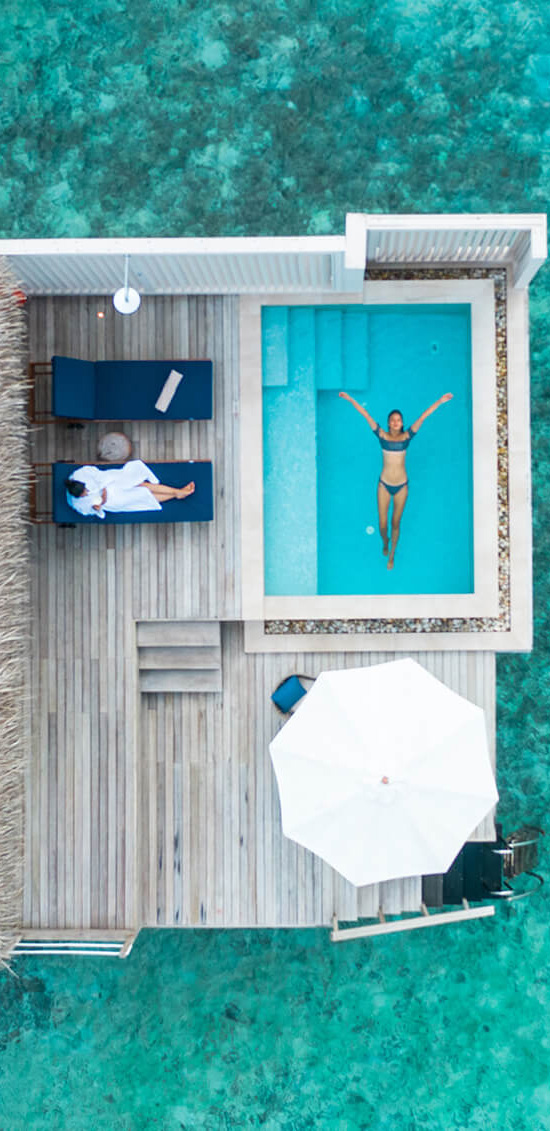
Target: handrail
[[111, 942], [512, 896]]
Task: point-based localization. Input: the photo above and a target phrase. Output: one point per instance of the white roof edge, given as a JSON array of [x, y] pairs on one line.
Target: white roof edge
[[451, 220], [222, 245], [242, 245], [254, 245]]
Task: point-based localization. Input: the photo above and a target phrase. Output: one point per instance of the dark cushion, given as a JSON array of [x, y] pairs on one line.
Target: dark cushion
[[128, 390], [288, 693], [122, 385], [73, 388], [198, 507]]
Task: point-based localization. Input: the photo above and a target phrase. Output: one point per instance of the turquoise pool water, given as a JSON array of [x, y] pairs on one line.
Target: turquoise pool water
[[322, 462], [176, 118]]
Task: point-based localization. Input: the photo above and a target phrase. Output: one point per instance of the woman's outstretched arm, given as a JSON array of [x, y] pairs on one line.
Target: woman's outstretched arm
[[360, 409], [428, 412]]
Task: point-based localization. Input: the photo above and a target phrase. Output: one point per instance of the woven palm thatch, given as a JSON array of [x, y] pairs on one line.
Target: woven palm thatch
[[14, 605]]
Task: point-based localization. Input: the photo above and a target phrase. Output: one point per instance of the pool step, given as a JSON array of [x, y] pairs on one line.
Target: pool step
[[290, 471], [342, 349], [328, 349], [339, 346], [275, 345], [355, 350], [179, 656]]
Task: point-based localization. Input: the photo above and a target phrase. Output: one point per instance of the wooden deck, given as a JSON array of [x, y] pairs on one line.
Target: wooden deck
[[162, 809]]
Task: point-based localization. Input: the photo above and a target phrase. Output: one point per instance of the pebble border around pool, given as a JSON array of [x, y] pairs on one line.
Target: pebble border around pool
[[500, 623]]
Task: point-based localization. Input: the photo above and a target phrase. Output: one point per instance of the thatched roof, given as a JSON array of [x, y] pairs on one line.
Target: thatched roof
[[14, 604]]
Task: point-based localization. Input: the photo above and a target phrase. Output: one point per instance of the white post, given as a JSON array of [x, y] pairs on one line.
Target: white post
[[349, 268], [527, 266]]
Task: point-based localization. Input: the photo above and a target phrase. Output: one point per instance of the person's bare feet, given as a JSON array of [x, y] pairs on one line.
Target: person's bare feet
[[386, 548], [185, 491], [390, 562]]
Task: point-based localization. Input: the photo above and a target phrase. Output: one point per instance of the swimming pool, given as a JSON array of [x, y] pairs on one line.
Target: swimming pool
[[321, 462]]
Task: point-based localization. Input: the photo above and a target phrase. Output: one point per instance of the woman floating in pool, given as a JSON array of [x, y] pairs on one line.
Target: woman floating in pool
[[393, 482], [134, 487]]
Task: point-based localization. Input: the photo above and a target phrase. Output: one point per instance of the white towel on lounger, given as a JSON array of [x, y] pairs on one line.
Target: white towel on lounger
[[168, 390], [124, 489]]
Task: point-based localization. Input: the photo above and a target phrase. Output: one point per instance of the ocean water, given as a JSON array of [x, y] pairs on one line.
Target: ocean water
[[321, 462], [172, 117]]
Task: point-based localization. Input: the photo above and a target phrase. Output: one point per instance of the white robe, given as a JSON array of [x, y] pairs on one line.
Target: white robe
[[123, 489]]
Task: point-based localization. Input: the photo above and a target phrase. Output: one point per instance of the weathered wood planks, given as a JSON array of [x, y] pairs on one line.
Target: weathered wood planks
[[84, 865], [231, 864]]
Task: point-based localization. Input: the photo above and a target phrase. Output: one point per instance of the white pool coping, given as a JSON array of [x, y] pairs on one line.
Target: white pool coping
[[483, 602]]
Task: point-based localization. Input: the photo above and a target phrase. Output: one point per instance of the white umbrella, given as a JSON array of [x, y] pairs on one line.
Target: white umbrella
[[383, 772]]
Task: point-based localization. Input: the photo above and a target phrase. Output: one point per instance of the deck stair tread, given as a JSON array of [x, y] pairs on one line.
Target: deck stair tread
[[177, 680], [179, 633], [180, 657]]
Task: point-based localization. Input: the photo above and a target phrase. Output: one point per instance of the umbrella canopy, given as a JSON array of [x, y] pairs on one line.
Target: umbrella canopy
[[383, 772]]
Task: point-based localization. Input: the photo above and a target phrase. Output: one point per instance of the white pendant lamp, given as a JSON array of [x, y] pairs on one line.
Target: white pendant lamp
[[126, 300]]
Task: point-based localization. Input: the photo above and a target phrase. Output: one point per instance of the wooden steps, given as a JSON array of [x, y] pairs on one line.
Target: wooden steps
[[173, 680], [179, 655], [178, 632]]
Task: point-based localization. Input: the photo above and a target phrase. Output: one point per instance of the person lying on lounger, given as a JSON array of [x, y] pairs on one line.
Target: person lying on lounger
[[393, 483], [134, 487]]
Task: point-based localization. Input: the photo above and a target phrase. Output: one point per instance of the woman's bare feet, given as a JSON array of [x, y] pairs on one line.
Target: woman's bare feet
[[183, 492], [385, 548]]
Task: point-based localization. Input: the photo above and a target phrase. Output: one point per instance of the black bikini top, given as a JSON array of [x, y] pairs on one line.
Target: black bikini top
[[394, 445]]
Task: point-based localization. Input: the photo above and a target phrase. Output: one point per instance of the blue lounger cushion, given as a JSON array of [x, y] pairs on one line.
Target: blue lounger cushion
[[198, 507], [73, 387], [128, 390]]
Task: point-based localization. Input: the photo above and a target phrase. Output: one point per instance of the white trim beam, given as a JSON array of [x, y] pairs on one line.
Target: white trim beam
[[397, 926]]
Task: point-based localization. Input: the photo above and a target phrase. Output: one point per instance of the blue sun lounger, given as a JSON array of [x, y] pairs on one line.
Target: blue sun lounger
[[128, 390], [198, 507]]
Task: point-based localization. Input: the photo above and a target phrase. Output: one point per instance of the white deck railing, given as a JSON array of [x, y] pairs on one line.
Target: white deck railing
[[414, 923]]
